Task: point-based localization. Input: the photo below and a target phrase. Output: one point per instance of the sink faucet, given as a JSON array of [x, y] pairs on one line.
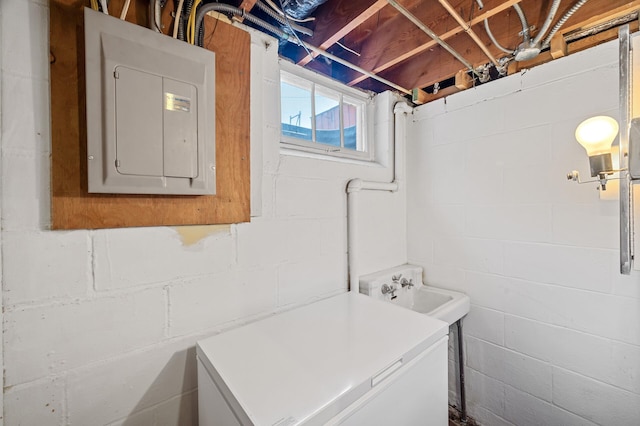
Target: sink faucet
[[386, 289], [406, 283]]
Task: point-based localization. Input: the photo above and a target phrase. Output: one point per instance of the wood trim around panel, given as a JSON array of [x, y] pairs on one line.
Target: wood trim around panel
[[72, 207]]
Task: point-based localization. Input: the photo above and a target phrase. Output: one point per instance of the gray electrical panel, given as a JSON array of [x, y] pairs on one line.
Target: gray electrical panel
[[150, 111]]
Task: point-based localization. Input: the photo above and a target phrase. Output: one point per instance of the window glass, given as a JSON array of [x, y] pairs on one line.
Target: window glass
[[296, 110], [327, 118], [322, 116]]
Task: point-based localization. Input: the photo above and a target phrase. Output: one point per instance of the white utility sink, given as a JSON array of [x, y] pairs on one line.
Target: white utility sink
[[445, 305]]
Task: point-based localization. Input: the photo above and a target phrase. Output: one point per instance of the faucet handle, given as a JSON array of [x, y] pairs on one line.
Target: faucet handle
[[406, 283], [386, 289], [396, 278]]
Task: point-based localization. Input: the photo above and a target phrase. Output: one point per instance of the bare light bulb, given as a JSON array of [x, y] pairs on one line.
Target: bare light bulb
[[596, 134]]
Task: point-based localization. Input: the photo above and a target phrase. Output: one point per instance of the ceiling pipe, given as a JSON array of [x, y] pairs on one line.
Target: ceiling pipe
[[467, 29], [547, 22], [433, 35], [525, 29], [561, 22]]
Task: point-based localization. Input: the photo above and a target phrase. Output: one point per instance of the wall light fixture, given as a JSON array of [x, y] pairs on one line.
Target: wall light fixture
[[596, 134]]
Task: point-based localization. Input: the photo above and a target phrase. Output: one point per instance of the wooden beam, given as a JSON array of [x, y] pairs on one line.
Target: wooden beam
[[558, 47], [419, 96], [463, 80], [437, 65], [246, 5], [385, 49], [576, 46], [327, 34]]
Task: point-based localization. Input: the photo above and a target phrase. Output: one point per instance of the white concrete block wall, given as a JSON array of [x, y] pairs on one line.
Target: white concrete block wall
[[553, 336], [100, 326]]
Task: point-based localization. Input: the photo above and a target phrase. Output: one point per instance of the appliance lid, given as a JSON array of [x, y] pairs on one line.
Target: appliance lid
[[308, 364]]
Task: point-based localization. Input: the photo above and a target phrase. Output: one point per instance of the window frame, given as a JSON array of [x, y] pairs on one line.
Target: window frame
[[291, 73]]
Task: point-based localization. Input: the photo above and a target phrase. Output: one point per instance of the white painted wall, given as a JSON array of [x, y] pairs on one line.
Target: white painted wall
[[553, 336], [100, 326]]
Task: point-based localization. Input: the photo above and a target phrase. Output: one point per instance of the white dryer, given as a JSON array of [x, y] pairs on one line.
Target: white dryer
[[348, 360]]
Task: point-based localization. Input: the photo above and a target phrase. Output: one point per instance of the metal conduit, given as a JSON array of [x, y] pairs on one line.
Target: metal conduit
[[431, 34], [547, 22], [208, 7], [561, 22], [299, 28], [467, 28], [525, 29], [525, 25]]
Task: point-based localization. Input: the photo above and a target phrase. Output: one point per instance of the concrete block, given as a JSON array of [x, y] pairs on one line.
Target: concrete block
[[525, 409], [516, 222], [381, 239], [603, 55], [478, 255], [207, 302], [445, 176], [485, 324], [483, 121], [485, 392], [575, 310], [25, 56], [333, 233], [486, 290], [624, 285], [536, 107], [528, 337], [37, 403], [587, 225], [489, 93], [310, 198], [486, 417], [160, 256], [608, 361], [25, 190], [39, 341], [593, 400], [556, 264], [531, 300], [522, 372], [451, 277], [45, 265], [25, 109], [270, 242], [132, 383], [311, 279], [430, 110]]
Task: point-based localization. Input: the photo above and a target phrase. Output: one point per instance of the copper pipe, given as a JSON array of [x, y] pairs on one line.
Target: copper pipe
[[467, 28]]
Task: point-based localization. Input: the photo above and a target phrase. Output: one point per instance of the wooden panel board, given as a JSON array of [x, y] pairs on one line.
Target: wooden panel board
[[72, 206]]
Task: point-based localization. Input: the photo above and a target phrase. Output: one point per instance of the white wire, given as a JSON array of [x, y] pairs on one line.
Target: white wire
[[347, 49], [176, 22], [125, 9], [103, 3]]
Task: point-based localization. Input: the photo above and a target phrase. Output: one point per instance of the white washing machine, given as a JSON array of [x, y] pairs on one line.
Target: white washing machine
[[348, 360]]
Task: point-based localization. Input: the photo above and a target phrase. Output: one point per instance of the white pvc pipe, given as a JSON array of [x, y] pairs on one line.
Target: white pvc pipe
[[356, 185]]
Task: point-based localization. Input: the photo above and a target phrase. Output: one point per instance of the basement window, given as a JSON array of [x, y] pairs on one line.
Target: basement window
[[323, 116]]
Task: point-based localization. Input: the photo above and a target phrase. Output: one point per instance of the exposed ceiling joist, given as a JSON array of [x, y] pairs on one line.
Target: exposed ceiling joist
[[378, 59], [351, 13]]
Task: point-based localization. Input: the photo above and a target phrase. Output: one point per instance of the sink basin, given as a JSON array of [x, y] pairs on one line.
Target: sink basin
[[446, 305]]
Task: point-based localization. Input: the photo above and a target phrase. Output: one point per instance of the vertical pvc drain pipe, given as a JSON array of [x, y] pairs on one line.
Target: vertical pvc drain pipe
[[356, 185]]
